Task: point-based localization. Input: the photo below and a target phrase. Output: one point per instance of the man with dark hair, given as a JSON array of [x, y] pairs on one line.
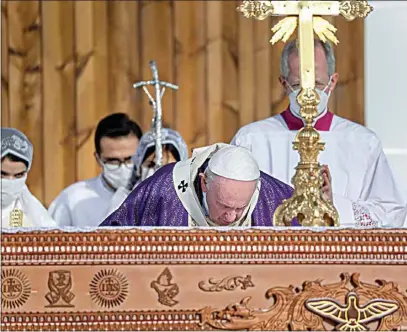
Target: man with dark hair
[[86, 203], [19, 208]]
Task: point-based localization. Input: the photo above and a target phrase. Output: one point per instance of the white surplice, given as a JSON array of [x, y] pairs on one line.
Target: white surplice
[[83, 204], [34, 213], [365, 191]]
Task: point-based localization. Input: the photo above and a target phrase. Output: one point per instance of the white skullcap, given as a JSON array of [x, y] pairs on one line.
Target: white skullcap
[[235, 163]]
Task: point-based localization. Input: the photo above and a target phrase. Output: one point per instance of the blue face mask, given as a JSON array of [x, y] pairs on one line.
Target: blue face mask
[[323, 103]]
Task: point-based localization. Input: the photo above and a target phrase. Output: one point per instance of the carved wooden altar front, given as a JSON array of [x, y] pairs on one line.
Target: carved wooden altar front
[[114, 280]]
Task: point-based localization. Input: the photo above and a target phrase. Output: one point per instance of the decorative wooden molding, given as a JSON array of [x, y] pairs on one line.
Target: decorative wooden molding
[[109, 288], [177, 320], [173, 279], [60, 284], [228, 284], [199, 246], [15, 288], [165, 289], [287, 312]]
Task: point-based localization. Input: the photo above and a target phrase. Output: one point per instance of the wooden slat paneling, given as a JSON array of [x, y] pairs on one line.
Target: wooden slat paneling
[[215, 79], [93, 51], [230, 72], [92, 84], [25, 82], [246, 71], [5, 122], [200, 137], [278, 98], [59, 96], [349, 93], [186, 69], [124, 59], [262, 62], [157, 31], [135, 72]]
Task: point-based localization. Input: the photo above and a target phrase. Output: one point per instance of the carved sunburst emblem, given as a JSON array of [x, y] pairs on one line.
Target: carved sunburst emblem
[[109, 288], [15, 288]]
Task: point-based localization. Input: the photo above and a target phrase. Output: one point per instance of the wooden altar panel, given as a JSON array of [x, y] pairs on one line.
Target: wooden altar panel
[[203, 279], [223, 63]]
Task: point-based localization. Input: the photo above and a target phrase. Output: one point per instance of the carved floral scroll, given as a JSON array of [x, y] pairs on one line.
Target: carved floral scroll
[[290, 310]]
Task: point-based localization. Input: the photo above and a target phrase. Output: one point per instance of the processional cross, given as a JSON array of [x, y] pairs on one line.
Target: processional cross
[[307, 203], [157, 107]]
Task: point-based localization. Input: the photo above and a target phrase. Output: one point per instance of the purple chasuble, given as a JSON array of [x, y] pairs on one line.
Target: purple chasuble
[[154, 202]]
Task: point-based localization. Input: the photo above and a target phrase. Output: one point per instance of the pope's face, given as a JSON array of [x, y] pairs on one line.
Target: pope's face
[[227, 199]]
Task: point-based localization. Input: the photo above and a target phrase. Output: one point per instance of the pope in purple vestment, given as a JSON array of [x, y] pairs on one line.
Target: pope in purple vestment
[[174, 196]]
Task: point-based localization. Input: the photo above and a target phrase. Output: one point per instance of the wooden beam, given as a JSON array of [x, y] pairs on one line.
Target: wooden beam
[[5, 116], [59, 96], [247, 83], [215, 78], [92, 80], [190, 71], [349, 93], [230, 53], [157, 35], [262, 60], [25, 99], [124, 59]]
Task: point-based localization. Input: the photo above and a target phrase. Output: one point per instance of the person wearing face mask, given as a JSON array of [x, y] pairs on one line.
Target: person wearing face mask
[[174, 150], [86, 203], [19, 208], [357, 176]]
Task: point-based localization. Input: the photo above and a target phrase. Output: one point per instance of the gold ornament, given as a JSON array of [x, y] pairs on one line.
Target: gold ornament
[[16, 218], [353, 9], [307, 204], [352, 316], [324, 30], [256, 9]]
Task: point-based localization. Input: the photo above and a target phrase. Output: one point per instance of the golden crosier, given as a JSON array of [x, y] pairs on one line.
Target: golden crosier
[[307, 204]]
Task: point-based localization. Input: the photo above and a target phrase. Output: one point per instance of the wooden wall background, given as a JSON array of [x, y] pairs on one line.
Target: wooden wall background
[[67, 64]]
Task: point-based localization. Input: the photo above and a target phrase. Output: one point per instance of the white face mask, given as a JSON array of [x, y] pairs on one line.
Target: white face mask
[[205, 203], [11, 190], [146, 172], [117, 176], [323, 103]]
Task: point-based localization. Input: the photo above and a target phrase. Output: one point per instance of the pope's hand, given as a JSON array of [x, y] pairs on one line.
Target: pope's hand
[[327, 185]]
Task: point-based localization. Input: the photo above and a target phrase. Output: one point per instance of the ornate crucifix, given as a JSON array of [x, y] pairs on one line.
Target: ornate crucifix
[[307, 203], [157, 119]]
